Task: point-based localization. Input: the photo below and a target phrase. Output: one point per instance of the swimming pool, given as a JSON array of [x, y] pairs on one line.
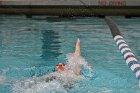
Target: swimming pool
[[29, 48]]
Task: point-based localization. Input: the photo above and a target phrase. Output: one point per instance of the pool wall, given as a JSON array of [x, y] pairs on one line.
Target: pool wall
[[71, 7]]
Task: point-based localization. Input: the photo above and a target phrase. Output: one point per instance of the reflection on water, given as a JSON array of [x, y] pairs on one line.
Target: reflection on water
[[1, 21], [51, 44], [53, 18]]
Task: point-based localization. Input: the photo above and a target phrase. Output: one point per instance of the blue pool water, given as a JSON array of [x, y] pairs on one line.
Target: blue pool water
[[29, 49]]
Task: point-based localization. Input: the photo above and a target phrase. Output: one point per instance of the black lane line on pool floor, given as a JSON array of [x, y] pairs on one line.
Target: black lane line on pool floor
[[129, 57]]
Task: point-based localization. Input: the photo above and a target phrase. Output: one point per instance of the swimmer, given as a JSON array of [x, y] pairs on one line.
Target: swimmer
[[62, 67], [63, 70]]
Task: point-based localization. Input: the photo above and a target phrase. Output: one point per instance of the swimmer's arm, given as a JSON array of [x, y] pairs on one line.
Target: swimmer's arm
[[77, 69], [77, 53], [77, 48]]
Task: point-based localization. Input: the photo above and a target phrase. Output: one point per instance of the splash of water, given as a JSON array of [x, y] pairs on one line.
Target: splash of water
[[37, 86], [2, 79], [86, 68], [3, 76], [60, 84]]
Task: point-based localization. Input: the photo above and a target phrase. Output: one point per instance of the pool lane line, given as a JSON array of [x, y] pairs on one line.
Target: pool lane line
[[129, 57]]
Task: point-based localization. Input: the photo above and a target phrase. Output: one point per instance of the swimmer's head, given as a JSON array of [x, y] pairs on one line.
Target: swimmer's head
[[60, 67]]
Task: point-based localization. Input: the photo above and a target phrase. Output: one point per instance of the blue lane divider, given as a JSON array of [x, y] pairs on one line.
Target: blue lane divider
[[129, 57]]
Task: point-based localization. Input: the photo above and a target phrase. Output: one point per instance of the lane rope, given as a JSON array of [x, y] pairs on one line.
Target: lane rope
[[129, 57]]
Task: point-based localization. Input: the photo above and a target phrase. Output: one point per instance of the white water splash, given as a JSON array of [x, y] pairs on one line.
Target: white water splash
[[86, 68], [3, 76], [37, 86], [2, 79], [106, 90], [58, 85]]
